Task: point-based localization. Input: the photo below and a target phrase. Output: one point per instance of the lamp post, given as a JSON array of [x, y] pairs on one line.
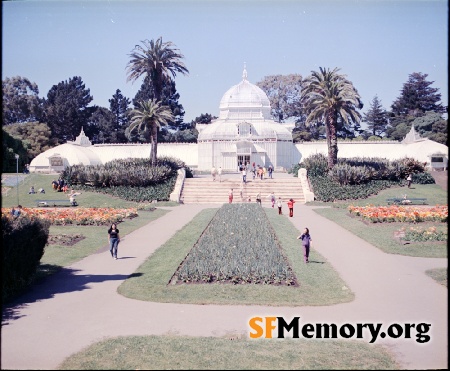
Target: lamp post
[[17, 173]]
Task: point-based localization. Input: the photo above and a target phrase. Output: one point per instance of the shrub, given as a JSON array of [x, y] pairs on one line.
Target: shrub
[[360, 177], [24, 241], [132, 179], [316, 165], [326, 190], [423, 178]]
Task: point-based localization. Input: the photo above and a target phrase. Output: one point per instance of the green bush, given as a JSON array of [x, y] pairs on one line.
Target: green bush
[[327, 190], [360, 177], [423, 178], [131, 179], [316, 165], [24, 241]]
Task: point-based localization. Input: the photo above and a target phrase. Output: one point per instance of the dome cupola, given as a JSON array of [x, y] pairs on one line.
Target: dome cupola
[[244, 102]]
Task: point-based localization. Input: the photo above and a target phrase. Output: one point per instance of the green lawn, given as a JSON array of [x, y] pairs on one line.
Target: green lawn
[[319, 284], [434, 194], [440, 275], [171, 352], [381, 235], [86, 199]]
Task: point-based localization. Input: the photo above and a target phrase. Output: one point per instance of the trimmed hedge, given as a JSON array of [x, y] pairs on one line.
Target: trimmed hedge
[[24, 241]]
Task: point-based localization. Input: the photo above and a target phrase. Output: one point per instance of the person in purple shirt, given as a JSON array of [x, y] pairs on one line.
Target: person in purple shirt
[[306, 243]]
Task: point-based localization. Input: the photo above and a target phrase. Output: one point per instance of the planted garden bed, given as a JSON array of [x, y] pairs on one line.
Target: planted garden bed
[[239, 246]]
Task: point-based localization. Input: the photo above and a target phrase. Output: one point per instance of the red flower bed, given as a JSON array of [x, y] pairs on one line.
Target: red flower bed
[[394, 213], [80, 215]]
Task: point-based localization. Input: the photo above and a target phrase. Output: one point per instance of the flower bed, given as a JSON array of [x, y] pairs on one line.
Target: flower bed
[[417, 234], [394, 213], [239, 246], [80, 215]]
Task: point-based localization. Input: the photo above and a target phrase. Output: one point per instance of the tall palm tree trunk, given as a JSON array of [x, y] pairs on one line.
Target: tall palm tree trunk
[[331, 141], [154, 145]]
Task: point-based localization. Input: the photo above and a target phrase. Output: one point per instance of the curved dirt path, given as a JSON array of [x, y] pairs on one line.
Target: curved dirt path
[[80, 306]]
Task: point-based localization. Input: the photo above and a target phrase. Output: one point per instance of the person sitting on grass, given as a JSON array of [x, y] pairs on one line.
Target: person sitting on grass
[[72, 196]]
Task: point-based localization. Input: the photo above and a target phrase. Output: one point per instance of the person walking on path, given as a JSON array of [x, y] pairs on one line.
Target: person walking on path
[[290, 204], [270, 171], [113, 239], [306, 243], [409, 180], [219, 172], [230, 196], [213, 173], [280, 205]]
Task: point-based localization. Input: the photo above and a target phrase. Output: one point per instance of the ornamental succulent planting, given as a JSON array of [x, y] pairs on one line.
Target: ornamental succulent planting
[[239, 246]]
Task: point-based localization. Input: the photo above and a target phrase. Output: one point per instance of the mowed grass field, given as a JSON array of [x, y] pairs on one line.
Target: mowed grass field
[[171, 351]]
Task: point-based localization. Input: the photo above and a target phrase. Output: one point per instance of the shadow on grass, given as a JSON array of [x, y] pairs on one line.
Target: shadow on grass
[[64, 281]]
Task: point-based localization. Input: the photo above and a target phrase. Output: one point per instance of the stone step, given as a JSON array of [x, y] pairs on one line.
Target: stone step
[[206, 190]]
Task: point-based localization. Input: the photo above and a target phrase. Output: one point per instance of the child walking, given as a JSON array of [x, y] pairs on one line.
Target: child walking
[[280, 205], [306, 243]]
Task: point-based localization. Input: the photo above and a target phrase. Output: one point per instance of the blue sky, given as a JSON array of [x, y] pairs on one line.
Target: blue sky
[[376, 44]]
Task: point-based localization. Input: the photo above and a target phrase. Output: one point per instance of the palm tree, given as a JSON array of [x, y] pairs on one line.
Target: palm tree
[[327, 97], [149, 118], [158, 60]]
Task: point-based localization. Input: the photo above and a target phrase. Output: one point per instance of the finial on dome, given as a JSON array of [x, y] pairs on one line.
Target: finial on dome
[[244, 74]]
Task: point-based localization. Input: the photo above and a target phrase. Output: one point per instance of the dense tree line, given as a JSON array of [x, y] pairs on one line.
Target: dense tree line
[[41, 123], [418, 104]]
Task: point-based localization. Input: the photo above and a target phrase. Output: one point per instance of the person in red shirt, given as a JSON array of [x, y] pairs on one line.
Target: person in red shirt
[[290, 204]]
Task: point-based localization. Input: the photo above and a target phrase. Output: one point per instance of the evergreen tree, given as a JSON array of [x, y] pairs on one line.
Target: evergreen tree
[[376, 118], [100, 127], [66, 108], [169, 98], [418, 97], [118, 106]]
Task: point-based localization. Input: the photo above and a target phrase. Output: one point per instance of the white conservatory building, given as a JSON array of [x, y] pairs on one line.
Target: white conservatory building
[[244, 132]]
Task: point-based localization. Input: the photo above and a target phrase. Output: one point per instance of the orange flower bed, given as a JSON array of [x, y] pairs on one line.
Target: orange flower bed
[[394, 213], [79, 215]]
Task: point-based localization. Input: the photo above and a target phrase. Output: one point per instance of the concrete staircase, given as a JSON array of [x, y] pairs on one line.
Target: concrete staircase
[[202, 189]]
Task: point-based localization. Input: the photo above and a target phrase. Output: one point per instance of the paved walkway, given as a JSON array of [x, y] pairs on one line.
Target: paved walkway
[[80, 306]]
